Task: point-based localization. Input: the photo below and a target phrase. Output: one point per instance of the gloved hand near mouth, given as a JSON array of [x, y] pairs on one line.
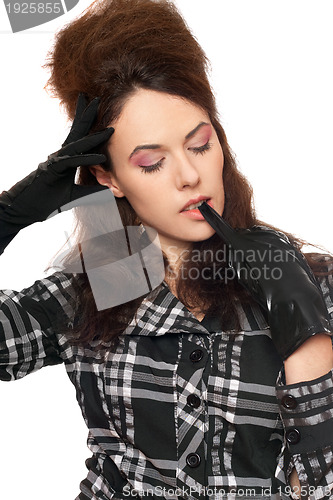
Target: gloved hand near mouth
[[284, 285]]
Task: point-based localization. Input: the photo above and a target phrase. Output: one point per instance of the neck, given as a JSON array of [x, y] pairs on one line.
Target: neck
[[176, 257]]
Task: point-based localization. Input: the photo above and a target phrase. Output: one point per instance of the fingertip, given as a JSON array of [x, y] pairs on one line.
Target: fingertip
[[103, 135], [101, 159], [81, 99], [110, 131], [91, 110], [93, 159], [94, 103], [94, 100]]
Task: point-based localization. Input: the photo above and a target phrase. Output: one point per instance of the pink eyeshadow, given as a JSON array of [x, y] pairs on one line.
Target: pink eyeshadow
[[145, 159], [203, 136]]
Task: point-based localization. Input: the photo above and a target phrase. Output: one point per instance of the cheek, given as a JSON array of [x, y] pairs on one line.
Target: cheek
[[127, 180], [218, 161], [151, 203], [144, 200]]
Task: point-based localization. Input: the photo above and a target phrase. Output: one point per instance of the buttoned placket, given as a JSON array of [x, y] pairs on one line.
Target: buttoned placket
[[192, 413]]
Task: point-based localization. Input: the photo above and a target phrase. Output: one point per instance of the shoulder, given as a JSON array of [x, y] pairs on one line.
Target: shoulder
[[57, 292], [322, 268], [321, 265], [53, 284]]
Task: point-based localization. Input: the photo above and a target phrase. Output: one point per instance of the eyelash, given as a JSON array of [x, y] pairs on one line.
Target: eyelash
[[157, 166]]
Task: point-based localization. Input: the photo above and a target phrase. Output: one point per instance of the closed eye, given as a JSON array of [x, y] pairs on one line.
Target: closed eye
[[146, 169], [201, 149], [151, 168]]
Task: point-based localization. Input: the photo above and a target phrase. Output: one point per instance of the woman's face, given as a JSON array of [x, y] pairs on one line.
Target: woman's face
[[166, 154]]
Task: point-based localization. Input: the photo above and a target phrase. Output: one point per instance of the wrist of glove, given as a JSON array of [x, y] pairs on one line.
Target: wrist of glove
[[52, 186], [278, 277]]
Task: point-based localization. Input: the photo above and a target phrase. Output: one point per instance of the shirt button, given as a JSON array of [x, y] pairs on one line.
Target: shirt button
[[193, 400], [289, 402], [293, 436], [193, 459], [196, 355]]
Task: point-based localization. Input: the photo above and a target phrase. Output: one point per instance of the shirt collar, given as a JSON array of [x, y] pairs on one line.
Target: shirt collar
[[160, 313]]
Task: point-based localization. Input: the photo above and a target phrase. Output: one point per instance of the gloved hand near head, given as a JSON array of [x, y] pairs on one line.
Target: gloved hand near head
[[52, 186]]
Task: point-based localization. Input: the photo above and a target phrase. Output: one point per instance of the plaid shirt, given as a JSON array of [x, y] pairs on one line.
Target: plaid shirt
[[180, 409]]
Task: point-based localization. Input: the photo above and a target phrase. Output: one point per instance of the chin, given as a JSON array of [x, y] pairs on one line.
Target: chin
[[202, 235]]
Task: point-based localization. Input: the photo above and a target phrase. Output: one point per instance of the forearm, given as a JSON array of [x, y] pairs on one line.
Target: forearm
[[312, 359]]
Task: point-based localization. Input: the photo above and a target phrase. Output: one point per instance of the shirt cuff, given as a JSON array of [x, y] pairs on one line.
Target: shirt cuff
[[306, 410]]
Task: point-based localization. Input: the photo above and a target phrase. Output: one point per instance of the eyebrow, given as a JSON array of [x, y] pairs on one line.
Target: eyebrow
[[157, 146]]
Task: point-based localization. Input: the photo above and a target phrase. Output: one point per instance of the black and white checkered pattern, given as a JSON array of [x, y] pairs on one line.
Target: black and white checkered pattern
[[180, 409]]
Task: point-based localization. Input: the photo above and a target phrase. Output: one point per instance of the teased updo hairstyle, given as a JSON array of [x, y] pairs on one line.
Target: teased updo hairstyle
[[118, 46], [114, 48]]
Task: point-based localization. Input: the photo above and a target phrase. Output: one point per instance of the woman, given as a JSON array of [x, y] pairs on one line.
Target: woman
[[178, 388]]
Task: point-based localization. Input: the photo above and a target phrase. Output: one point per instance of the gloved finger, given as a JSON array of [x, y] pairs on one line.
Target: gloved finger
[[85, 116], [81, 105], [251, 279], [222, 228], [86, 143], [61, 165]]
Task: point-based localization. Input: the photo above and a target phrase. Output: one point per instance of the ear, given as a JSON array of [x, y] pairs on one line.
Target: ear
[[107, 179]]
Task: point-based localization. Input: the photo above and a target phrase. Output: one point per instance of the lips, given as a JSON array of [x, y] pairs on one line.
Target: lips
[[194, 201]]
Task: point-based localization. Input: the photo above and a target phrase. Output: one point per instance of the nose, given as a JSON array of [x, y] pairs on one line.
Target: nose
[[186, 173]]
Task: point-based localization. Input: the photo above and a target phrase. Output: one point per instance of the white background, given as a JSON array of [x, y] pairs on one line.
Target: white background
[[272, 74]]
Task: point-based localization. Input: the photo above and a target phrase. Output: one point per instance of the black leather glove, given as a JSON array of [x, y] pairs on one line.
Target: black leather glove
[[278, 277], [51, 186]]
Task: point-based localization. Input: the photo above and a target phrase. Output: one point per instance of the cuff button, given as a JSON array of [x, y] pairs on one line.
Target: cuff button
[[293, 436], [289, 402]]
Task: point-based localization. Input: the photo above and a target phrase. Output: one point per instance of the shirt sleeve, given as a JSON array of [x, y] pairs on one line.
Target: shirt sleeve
[[31, 322], [306, 410]]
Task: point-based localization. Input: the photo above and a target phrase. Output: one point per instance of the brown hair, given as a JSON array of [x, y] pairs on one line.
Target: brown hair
[[114, 48]]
